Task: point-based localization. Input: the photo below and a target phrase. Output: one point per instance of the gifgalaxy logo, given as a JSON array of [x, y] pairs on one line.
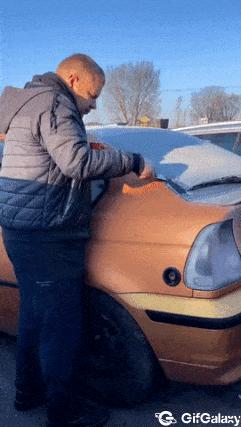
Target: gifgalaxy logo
[[166, 418], [206, 418]]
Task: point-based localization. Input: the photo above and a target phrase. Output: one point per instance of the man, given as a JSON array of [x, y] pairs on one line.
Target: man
[[44, 213]]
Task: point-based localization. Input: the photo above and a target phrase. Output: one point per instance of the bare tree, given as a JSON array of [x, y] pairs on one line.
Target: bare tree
[[214, 104], [232, 106], [132, 90]]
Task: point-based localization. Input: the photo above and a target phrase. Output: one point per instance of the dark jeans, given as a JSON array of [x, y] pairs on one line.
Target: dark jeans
[[51, 350]]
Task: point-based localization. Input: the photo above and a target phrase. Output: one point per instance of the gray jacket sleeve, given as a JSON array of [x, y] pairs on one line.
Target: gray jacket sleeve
[[66, 143]]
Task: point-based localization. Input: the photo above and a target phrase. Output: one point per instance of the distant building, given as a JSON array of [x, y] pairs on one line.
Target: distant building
[[146, 121], [94, 124], [203, 121]]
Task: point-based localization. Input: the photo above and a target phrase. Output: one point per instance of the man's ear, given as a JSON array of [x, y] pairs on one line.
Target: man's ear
[[72, 79]]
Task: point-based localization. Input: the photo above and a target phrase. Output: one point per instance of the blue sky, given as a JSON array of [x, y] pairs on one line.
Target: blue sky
[[194, 43]]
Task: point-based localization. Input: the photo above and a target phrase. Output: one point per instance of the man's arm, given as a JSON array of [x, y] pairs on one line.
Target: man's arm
[[67, 145], [148, 171]]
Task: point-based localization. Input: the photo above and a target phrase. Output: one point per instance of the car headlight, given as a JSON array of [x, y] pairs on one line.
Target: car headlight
[[214, 261]]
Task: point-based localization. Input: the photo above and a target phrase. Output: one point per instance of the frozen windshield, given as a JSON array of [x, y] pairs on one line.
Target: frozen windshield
[[182, 159]]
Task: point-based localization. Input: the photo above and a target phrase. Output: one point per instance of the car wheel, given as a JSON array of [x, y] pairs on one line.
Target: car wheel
[[123, 367]]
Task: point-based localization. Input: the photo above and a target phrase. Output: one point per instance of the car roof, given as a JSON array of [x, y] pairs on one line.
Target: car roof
[[220, 127], [176, 157]]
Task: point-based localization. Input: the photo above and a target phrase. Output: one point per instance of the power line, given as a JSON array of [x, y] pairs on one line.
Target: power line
[[196, 89]]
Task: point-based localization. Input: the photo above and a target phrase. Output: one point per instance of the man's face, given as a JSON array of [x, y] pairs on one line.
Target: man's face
[[86, 90]]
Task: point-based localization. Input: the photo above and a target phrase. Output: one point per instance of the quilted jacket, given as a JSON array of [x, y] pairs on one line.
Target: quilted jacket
[[47, 162]]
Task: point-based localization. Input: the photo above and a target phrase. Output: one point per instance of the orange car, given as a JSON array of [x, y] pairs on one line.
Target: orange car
[[163, 265]]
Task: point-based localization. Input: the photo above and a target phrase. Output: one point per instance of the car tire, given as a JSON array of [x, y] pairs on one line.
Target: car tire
[[122, 364]]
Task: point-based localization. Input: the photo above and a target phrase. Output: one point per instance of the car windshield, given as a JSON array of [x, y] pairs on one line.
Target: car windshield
[[178, 158]]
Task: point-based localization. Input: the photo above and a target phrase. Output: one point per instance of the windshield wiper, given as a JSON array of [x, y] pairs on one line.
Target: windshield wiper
[[218, 181]]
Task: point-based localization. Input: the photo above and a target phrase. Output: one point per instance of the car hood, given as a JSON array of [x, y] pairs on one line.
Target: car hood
[[181, 159]]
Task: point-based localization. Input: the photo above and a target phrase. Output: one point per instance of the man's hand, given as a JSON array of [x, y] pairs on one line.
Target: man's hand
[[148, 172]]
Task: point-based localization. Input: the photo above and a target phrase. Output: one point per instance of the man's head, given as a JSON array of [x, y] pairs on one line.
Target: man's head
[[84, 77]]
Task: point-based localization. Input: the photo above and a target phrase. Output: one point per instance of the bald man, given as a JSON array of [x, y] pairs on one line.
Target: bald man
[[45, 178]]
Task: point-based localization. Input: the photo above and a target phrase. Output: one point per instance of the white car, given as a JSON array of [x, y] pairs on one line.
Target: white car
[[224, 134]]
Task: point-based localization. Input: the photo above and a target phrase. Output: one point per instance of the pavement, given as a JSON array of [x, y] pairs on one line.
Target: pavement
[[177, 399]]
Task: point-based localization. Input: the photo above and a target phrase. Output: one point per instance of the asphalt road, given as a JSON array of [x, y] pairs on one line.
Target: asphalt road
[[178, 399]]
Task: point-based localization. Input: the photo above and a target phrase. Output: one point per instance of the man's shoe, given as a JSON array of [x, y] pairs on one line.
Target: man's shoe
[[85, 414], [26, 401]]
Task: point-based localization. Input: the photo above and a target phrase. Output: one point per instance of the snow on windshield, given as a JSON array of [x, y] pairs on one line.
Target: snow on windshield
[[181, 158]]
